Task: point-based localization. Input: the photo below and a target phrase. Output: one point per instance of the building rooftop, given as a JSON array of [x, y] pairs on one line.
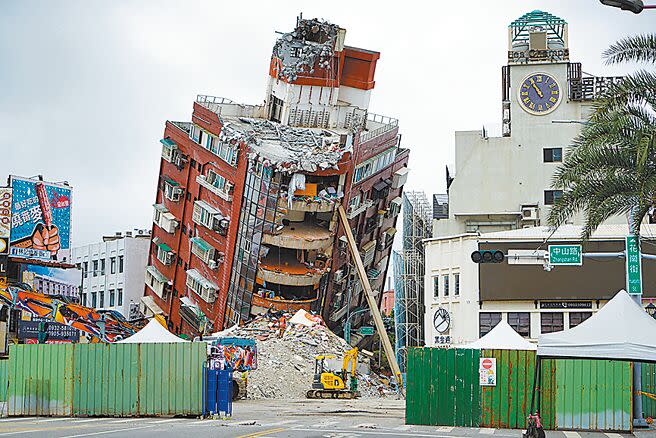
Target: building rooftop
[[288, 149]]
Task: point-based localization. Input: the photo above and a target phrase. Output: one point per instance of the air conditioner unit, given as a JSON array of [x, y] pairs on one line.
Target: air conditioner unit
[[339, 276], [212, 264], [529, 213]]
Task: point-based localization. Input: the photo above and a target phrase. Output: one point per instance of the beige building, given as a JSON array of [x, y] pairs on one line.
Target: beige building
[[503, 184]]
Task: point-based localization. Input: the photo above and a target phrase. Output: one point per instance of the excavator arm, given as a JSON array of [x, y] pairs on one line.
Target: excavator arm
[[350, 359], [371, 301]]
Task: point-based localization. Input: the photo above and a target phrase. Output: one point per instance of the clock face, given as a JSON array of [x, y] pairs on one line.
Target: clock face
[[539, 94]]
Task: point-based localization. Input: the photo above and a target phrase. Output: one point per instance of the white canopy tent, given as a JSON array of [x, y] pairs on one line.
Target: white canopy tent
[[501, 337], [621, 330], [152, 333]]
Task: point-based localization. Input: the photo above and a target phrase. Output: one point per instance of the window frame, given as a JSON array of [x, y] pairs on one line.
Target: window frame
[[548, 155], [552, 196], [489, 325], [551, 324], [518, 324]]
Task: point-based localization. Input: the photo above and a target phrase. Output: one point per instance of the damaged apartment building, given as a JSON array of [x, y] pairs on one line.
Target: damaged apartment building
[[246, 212]]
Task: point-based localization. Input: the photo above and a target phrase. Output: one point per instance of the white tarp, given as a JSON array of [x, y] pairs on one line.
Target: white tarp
[[152, 333], [620, 330], [304, 318], [501, 337]]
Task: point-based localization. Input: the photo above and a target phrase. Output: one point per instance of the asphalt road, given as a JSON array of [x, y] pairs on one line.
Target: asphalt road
[[262, 419]]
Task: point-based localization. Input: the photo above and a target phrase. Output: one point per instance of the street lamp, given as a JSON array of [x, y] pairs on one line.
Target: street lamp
[[635, 6], [347, 324]]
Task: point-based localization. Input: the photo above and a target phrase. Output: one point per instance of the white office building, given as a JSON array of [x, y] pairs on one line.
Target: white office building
[[113, 270], [504, 184]]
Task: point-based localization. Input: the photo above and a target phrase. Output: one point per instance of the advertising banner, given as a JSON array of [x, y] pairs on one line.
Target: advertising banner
[[40, 220], [54, 331], [5, 219], [53, 281]]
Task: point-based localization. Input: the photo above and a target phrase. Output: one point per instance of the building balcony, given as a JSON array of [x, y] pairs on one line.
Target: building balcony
[[307, 204], [202, 181], [300, 235], [354, 212], [377, 125], [282, 267], [280, 304]]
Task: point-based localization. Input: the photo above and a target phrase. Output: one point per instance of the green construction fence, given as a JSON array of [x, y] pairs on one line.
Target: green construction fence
[[443, 390], [106, 379]]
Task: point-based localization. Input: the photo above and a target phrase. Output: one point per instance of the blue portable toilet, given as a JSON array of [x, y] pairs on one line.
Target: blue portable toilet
[[218, 392]]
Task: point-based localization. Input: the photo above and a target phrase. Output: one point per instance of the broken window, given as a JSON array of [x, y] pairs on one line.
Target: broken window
[[275, 109]]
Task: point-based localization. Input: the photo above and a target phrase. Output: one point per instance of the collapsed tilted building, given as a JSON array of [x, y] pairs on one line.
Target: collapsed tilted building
[[245, 217]]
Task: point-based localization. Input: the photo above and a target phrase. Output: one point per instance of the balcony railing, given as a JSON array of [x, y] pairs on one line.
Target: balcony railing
[[228, 108], [353, 212], [378, 125], [202, 180]]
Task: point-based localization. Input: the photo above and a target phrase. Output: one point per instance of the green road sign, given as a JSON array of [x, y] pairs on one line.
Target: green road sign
[[565, 255], [633, 268], [366, 330]]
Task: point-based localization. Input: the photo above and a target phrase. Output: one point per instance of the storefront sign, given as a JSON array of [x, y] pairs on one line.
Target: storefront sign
[[565, 304], [487, 371], [521, 56]]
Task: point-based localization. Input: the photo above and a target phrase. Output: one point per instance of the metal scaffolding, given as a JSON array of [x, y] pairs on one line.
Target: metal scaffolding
[[409, 274]]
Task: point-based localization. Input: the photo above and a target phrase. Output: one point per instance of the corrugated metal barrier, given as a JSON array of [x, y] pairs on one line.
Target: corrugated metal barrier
[[575, 394], [594, 394], [442, 387], [107, 379], [649, 385], [4, 380]]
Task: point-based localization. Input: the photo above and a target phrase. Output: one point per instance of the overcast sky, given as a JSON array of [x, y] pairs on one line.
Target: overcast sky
[[86, 86]]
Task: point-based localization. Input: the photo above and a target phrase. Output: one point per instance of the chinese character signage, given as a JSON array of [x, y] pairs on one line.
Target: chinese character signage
[[40, 220], [5, 219], [487, 371], [633, 271]]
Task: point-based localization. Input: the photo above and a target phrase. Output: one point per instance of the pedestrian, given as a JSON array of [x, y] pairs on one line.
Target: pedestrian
[[282, 326]]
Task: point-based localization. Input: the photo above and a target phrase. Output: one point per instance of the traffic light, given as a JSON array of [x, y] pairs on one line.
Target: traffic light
[[635, 6], [488, 256]]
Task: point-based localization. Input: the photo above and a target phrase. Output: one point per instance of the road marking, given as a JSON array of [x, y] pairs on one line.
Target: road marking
[[366, 426], [103, 432], [19, 419], [326, 423], [404, 427], [613, 435], [486, 431], [170, 420], [376, 432], [53, 419], [88, 420], [262, 433], [279, 423], [22, 431], [570, 434], [127, 420], [445, 428]]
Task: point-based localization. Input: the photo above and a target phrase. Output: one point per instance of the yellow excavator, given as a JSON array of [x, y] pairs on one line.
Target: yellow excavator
[[330, 384]]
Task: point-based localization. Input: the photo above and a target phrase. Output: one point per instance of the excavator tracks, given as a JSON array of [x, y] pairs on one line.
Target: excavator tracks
[[320, 393]]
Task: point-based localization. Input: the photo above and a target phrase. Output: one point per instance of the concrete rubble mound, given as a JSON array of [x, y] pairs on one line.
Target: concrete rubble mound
[[286, 364]]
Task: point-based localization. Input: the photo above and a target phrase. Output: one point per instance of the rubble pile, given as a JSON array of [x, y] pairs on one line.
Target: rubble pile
[[286, 365]]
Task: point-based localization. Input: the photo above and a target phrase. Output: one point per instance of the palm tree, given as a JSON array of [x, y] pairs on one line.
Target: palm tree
[[610, 169]]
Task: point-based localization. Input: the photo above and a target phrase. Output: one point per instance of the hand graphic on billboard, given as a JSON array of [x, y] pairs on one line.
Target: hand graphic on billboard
[[46, 238]]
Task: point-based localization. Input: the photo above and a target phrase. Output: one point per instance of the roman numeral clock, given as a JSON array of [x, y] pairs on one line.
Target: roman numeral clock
[[539, 94]]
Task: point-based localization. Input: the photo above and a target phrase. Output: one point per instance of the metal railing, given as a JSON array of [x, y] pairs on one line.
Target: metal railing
[[386, 124]]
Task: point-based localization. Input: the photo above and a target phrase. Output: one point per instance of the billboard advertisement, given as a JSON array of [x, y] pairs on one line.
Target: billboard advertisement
[[52, 281], [55, 332], [40, 220], [5, 219]]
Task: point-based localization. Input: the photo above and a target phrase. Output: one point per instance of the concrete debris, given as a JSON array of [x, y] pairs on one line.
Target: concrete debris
[[286, 365], [311, 45]]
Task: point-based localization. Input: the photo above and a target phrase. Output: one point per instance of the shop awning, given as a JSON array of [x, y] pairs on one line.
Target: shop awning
[[168, 142], [156, 274], [390, 232], [169, 216], [211, 210], [193, 273], [204, 246], [150, 303]]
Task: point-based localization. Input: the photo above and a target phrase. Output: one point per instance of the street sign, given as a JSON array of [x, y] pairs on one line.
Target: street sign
[[366, 330], [565, 255], [633, 267]]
